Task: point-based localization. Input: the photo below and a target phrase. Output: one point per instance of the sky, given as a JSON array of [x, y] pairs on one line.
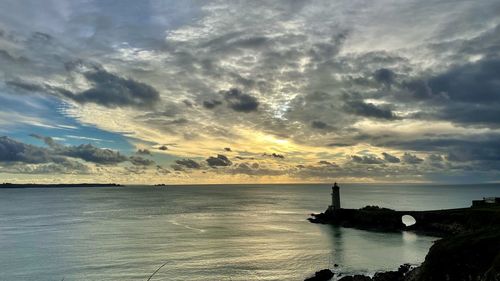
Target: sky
[[189, 92]]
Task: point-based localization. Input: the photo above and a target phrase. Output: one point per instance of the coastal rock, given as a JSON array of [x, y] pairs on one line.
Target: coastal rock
[[464, 257], [322, 275], [468, 251], [356, 278], [388, 276], [398, 275]]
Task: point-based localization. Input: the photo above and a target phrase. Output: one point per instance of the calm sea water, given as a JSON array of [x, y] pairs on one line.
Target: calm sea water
[[230, 232]]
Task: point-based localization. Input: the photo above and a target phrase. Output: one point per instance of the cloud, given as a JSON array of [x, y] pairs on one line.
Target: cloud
[[239, 101], [319, 125], [14, 151], [471, 147], [188, 163], [474, 82], [143, 152], [384, 76], [390, 158], [162, 171], [141, 161], [411, 158], [163, 147], [114, 91], [435, 158], [275, 155], [90, 153], [211, 104], [66, 167], [86, 152], [463, 93], [47, 140], [220, 160], [255, 170], [27, 86], [107, 89], [327, 163], [367, 159], [19, 156], [364, 109]]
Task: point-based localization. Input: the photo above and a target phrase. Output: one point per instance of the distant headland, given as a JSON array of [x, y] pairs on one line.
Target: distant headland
[[57, 185], [469, 248]]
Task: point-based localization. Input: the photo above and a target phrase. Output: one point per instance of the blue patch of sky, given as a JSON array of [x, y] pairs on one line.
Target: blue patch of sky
[[25, 114]]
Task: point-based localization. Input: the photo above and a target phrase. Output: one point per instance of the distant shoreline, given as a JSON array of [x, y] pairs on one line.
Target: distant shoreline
[[59, 185]]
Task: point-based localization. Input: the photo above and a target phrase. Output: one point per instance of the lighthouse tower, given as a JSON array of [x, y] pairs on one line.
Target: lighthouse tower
[[335, 198]]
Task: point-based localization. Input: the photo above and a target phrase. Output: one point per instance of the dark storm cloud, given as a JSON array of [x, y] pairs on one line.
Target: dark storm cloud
[[14, 151], [478, 151], [163, 147], [114, 91], [15, 154], [319, 125], [465, 113], [364, 109], [188, 163], [478, 147], [107, 89], [474, 83], [418, 89], [90, 153], [275, 155], [411, 158], [220, 160], [384, 76], [211, 104], [464, 94], [367, 159], [86, 152], [239, 101], [390, 158], [141, 161]]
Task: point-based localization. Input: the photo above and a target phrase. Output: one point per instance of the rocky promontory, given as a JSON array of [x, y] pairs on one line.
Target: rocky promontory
[[468, 251]]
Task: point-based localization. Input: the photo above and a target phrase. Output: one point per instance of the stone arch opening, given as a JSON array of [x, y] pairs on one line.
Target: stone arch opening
[[408, 220]]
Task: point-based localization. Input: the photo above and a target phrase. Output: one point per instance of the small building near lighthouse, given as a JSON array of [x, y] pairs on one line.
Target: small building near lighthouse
[[335, 198]]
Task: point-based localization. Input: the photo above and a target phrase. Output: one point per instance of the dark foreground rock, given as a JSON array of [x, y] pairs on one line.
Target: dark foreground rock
[[470, 256], [322, 275], [398, 275], [437, 222], [355, 278], [469, 251]]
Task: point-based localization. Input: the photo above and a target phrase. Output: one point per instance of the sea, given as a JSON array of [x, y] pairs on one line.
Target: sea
[[207, 232]]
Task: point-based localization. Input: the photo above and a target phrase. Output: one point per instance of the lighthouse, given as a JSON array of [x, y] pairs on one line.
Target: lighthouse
[[335, 198]]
